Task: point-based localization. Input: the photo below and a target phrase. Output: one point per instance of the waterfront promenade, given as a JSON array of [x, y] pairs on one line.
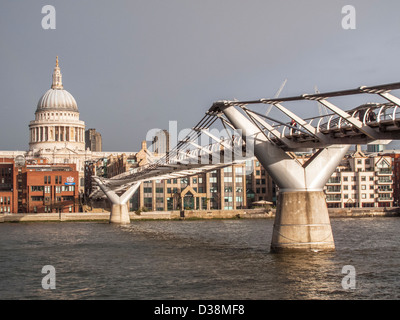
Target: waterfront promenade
[[190, 214]]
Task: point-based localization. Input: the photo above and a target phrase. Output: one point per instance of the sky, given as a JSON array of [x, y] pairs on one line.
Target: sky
[[134, 66]]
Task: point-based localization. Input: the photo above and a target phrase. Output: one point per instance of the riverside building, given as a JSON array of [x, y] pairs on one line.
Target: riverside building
[[361, 181], [36, 186]]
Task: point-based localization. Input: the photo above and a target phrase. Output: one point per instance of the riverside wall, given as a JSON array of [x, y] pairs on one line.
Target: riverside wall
[[191, 215]]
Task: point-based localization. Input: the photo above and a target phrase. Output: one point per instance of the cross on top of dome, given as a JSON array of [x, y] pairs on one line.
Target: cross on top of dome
[[57, 77]]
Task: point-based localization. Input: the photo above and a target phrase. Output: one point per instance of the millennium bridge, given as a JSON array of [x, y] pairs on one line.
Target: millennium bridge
[[301, 220]]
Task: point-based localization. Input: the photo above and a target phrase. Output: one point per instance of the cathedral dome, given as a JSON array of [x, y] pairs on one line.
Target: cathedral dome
[[56, 98]]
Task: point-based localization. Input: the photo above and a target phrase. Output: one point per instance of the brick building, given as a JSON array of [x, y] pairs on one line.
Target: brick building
[[50, 188], [8, 183], [38, 187]]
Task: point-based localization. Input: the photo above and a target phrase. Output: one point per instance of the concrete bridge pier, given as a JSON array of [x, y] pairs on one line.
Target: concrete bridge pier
[[302, 221], [119, 204]]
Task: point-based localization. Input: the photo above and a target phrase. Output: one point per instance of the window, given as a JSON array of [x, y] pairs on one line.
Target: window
[[194, 180], [228, 189], [213, 189], [345, 179], [363, 187], [239, 170]]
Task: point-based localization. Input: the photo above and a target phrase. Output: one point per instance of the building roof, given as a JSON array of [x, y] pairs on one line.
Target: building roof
[[57, 98]]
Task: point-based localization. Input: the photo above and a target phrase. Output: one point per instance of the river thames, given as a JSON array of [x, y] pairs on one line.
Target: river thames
[[199, 259]]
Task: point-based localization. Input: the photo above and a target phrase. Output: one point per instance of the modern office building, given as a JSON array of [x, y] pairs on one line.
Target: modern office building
[[218, 189]]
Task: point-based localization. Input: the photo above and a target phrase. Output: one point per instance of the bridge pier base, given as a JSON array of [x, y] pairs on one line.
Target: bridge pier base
[[119, 204], [120, 214], [302, 223]]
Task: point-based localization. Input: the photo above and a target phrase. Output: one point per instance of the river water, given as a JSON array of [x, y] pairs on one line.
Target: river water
[[202, 259]]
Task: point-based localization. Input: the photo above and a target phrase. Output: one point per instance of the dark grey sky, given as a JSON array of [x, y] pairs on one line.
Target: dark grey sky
[[135, 65]]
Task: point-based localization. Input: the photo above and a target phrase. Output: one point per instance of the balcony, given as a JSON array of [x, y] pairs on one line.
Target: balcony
[[334, 180], [384, 181], [385, 199], [384, 190], [384, 172], [333, 189], [333, 198]]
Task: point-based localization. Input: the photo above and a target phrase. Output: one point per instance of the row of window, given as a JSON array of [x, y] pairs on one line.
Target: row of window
[[5, 200], [5, 209], [354, 187], [363, 178], [355, 196], [48, 199], [5, 171], [213, 178], [57, 189], [227, 189], [47, 179]]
